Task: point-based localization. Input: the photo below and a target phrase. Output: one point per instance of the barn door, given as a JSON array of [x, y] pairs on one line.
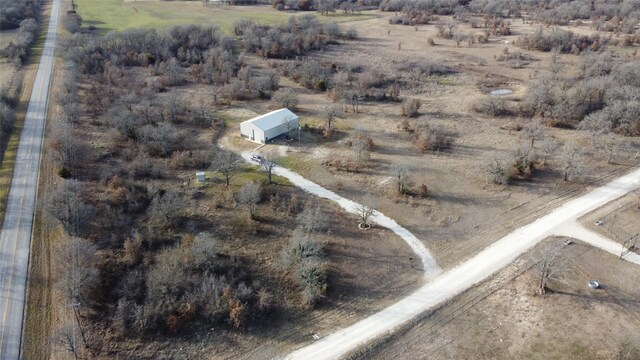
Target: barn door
[[253, 134]]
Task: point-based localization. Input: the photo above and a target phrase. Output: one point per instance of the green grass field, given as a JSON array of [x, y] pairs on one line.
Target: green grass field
[[108, 15]]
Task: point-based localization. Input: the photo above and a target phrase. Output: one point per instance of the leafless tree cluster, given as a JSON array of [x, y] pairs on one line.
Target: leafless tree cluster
[[72, 22], [322, 6], [23, 15], [299, 35], [590, 99], [12, 13], [186, 283], [564, 41], [519, 165], [286, 98], [438, 7], [361, 144], [605, 15], [188, 44], [9, 97], [68, 205], [154, 274], [18, 48]]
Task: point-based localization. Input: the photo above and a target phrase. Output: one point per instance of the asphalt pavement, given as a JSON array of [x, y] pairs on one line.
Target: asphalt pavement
[[15, 239]]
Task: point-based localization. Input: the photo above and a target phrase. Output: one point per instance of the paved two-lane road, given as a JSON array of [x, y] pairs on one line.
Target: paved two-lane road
[[15, 238]]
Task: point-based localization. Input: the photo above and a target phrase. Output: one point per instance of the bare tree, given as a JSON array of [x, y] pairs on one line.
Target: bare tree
[[67, 205], [268, 163], [360, 146], [533, 132], [217, 93], [447, 30], [365, 210], [146, 109], [550, 264], [173, 108], [329, 114], [68, 150], [312, 219], [203, 252], [549, 147], [227, 164], [78, 275], [165, 209], [302, 246], [498, 169], [250, 194], [608, 145], [410, 107], [287, 98], [200, 113], [173, 72], [66, 336], [352, 97], [570, 161], [401, 177], [289, 127]]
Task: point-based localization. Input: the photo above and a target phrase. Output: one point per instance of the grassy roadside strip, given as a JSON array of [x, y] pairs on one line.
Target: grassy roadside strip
[[11, 151], [38, 307], [37, 325]]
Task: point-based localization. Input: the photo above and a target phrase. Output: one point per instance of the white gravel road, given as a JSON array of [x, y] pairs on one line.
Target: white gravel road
[[465, 275], [15, 238], [575, 230], [430, 266]]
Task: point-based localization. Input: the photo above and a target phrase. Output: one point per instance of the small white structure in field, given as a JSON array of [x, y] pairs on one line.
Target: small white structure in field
[[266, 127], [200, 176]]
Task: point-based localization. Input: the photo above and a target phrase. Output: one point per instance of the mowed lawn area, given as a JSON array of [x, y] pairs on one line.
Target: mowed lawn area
[[107, 15]]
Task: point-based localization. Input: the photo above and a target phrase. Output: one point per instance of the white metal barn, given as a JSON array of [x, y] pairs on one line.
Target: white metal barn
[[270, 125]]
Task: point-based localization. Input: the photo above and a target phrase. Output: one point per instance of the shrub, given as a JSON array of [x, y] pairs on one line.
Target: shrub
[[302, 246], [432, 139], [492, 106], [410, 107], [312, 278]]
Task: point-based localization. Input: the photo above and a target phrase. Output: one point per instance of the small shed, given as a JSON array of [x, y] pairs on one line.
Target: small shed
[[200, 176], [266, 127]]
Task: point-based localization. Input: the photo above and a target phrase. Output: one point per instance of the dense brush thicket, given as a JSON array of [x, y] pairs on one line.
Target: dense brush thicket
[[607, 15], [12, 13], [561, 40], [603, 96], [300, 34], [162, 272], [189, 44]]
